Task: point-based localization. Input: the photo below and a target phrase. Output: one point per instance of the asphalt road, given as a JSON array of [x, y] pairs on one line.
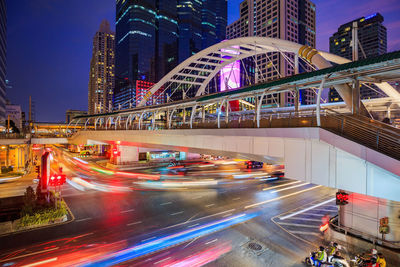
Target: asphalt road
[[186, 226]]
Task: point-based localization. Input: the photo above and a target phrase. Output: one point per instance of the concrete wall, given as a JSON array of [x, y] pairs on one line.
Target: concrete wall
[[309, 154], [363, 214]]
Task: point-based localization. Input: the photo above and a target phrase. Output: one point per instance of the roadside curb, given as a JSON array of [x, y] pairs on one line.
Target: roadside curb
[[43, 226]]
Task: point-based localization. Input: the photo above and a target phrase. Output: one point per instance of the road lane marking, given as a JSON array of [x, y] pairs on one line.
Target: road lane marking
[[304, 219], [205, 217], [126, 211], [165, 203], [176, 213], [40, 262], [290, 187], [237, 198], [188, 244], [306, 209], [148, 238], [300, 225], [85, 219], [129, 224], [197, 197], [212, 241], [193, 225], [188, 220], [161, 261], [209, 205], [281, 197], [29, 254], [282, 185], [226, 215], [305, 233]]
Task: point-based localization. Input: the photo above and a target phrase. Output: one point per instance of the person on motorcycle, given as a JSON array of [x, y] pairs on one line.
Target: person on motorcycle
[[320, 257], [380, 261], [332, 249], [338, 261]]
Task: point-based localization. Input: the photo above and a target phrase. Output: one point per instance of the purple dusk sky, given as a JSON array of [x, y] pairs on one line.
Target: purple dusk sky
[[50, 42]]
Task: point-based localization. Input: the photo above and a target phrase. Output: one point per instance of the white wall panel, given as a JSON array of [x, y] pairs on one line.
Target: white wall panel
[[350, 172], [295, 160], [320, 163]]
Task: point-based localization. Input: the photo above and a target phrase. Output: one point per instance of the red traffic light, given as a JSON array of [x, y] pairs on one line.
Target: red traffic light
[[342, 198], [57, 179]]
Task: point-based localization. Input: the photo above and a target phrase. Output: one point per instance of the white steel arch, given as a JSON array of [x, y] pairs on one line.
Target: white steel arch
[[199, 69]]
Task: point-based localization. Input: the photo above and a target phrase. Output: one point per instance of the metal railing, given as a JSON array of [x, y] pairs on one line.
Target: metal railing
[[371, 133]]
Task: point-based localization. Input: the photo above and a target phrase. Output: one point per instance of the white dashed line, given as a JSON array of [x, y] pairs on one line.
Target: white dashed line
[[165, 203], [282, 185], [129, 224], [193, 225], [176, 213], [209, 205], [125, 211], [212, 241], [162, 260], [290, 187], [81, 220], [226, 215], [148, 238], [236, 198]]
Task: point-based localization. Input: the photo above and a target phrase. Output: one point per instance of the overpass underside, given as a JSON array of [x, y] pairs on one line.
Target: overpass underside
[[309, 154]]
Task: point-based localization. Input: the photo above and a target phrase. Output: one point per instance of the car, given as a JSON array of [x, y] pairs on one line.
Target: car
[[251, 164]]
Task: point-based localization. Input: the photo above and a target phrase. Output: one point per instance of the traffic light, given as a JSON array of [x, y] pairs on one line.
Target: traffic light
[[57, 179], [342, 198]]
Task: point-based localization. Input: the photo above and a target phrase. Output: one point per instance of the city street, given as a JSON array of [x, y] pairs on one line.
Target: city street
[[176, 226]]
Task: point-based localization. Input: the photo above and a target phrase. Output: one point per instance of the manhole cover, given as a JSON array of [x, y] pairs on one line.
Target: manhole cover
[[255, 246]]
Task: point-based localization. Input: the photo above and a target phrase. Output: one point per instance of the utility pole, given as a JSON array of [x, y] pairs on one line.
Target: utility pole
[[30, 115]]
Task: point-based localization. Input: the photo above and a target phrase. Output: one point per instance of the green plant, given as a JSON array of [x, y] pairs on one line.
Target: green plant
[[44, 215]]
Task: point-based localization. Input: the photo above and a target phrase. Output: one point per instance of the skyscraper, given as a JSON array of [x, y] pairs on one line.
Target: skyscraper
[[3, 50], [292, 20], [146, 45], [102, 65], [372, 42], [200, 24]]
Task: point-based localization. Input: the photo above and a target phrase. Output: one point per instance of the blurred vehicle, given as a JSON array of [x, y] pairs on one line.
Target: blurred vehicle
[[251, 164], [277, 174], [86, 152]]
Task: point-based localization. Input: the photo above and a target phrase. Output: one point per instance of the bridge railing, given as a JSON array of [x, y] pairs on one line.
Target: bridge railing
[[371, 133]]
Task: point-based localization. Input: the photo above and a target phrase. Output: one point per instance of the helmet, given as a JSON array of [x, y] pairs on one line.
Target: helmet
[[335, 244], [321, 248]]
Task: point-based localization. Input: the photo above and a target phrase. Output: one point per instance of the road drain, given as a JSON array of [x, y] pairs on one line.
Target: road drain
[[255, 246]]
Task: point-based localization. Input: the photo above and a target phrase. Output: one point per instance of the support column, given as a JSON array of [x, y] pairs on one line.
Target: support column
[[184, 115], [296, 101], [203, 114], [356, 97], [227, 112]]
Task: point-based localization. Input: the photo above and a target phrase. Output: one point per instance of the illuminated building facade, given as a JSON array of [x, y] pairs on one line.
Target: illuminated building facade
[[292, 20], [3, 50], [146, 45], [102, 65], [372, 39], [201, 24], [142, 87]]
